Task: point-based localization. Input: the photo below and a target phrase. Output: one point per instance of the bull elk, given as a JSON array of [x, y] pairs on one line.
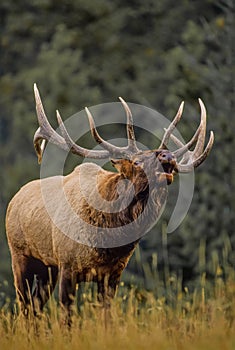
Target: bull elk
[[42, 250]]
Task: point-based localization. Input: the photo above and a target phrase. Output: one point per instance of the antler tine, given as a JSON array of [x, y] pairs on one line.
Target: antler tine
[[45, 131], [129, 127], [113, 150], [171, 127], [201, 138], [184, 148], [185, 168], [206, 151], [81, 151], [193, 159], [176, 140]]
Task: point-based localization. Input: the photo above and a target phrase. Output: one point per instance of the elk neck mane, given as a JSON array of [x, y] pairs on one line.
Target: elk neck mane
[[113, 207]]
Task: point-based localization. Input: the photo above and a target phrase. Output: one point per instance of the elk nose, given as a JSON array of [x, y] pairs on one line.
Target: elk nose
[[166, 157]]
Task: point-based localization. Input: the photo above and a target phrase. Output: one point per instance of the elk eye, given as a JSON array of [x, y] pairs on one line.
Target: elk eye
[[137, 162]]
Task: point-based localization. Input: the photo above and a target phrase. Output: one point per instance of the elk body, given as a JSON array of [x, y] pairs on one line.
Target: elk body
[[38, 223]]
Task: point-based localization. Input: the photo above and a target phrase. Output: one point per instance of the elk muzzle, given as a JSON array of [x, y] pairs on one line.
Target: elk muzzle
[[167, 166]]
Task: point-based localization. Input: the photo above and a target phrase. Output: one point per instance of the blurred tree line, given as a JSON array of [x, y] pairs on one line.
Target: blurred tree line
[[154, 53]]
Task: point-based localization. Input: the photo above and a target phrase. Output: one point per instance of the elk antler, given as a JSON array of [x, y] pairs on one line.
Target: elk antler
[[171, 127], [191, 159], [123, 151], [45, 130], [46, 133]]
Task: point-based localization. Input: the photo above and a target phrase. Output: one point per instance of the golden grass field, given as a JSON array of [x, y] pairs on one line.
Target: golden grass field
[[201, 320]]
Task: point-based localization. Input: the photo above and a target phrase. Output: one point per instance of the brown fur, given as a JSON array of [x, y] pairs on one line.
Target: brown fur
[[40, 249]]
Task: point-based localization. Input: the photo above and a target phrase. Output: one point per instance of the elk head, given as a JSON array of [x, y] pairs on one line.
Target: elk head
[[129, 160]]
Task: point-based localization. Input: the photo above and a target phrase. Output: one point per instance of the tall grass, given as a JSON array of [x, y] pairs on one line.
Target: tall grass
[[137, 320], [167, 318]]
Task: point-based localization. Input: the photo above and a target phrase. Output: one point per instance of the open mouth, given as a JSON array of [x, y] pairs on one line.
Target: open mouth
[[166, 174], [168, 168]]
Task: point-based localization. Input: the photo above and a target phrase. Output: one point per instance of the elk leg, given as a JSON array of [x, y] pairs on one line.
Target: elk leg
[[67, 288], [23, 279], [46, 278], [107, 287]]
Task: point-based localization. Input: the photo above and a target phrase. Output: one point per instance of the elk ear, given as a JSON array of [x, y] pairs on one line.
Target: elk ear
[[157, 152], [117, 163], [114, 161], [122, 165]]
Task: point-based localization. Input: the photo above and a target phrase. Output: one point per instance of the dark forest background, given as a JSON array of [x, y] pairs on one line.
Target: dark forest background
[[155, 53]]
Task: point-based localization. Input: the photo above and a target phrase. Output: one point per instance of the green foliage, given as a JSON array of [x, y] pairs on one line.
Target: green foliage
[[154, 53]]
